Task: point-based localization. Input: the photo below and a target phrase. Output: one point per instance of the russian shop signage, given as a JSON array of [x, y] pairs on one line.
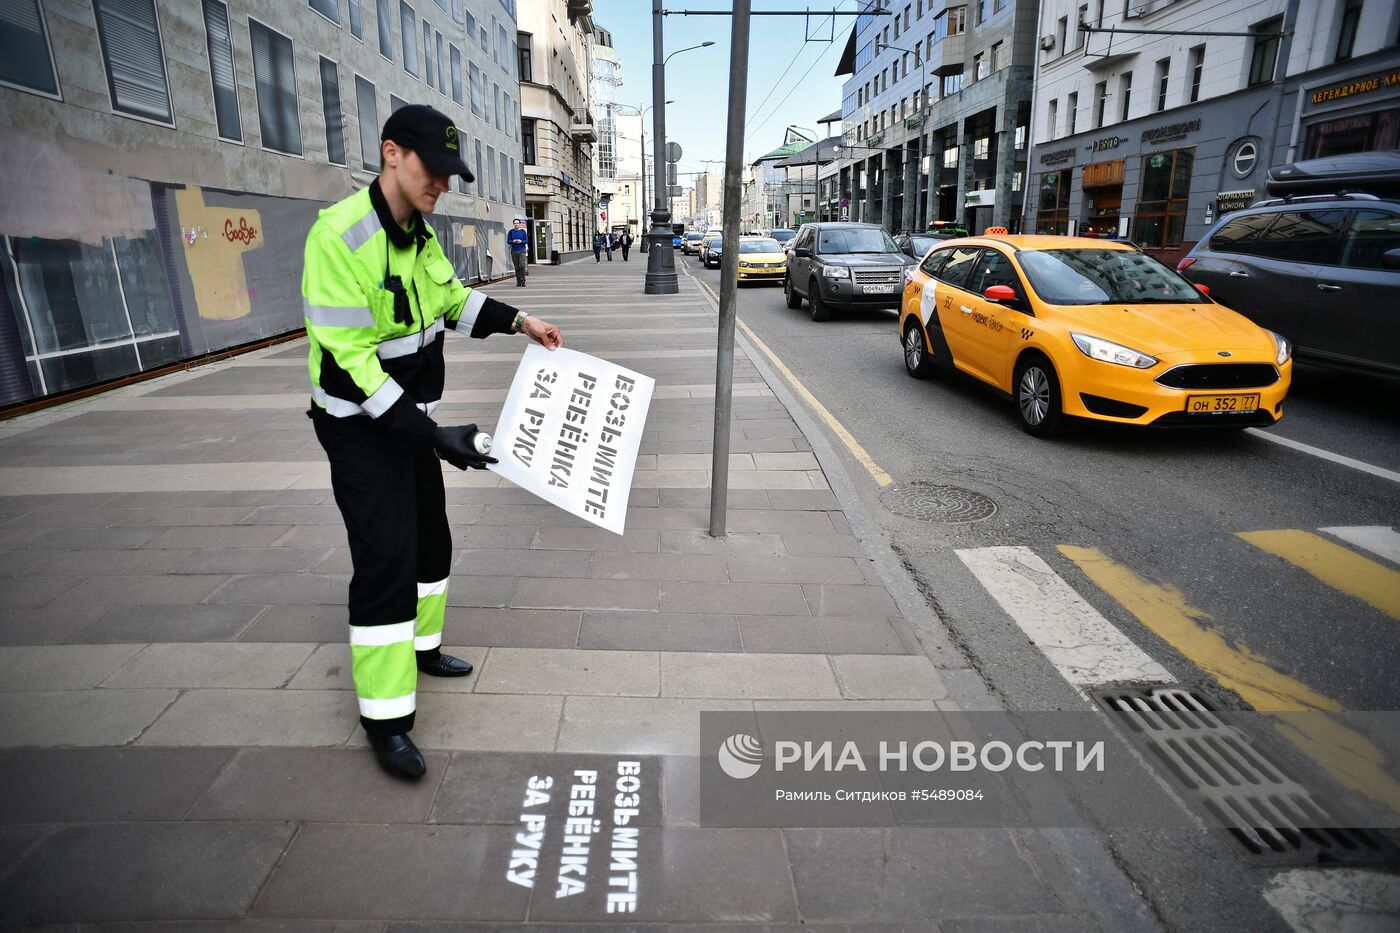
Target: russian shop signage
[[984, 198], [1171, 131], [1057, 155], [1227, 201], [1359, 86], [1108, 142]]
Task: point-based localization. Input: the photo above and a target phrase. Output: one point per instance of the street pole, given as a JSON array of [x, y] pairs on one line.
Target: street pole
[[729, 266], [661, 260], [642, 142]]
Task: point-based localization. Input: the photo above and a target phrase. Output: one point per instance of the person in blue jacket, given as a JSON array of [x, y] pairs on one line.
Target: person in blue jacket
[[519, 240]]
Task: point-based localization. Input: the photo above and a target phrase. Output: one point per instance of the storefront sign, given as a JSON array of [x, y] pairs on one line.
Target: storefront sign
[[570, 430], [1057, 155], [1360, 86], [1108, 142], [1171, 131], [1227, 201], [985, 198]]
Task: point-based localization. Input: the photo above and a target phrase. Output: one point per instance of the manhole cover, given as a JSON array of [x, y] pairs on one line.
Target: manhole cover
[[927, 502]]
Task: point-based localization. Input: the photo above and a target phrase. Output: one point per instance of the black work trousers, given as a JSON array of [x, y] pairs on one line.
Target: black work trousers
[[391, 497]]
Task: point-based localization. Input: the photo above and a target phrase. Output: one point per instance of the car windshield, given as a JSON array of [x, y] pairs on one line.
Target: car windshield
[[713, 242], [856, 240], [1103, 276], [922, 244], [782, 236], [760, 245], [695, 236]]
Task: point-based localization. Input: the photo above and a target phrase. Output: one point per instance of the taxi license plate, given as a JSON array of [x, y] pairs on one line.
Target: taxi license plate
[[877, 289], [1221, 404]]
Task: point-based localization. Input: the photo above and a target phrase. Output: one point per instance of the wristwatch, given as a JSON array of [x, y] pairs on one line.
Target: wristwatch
[[518, 324]]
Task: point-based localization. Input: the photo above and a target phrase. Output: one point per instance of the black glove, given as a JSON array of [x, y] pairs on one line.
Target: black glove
[[454, 444]]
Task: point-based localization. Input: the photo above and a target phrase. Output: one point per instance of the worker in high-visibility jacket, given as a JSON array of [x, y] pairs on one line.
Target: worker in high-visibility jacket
[[379, 295]]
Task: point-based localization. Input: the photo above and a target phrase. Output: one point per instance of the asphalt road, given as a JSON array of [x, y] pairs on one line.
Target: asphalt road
[[1168, 506]]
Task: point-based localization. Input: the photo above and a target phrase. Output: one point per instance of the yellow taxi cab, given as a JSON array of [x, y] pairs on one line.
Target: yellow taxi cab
[[761, 259], [1076, 327]]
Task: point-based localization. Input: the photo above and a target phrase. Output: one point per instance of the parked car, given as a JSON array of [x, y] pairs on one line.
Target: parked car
[[844, 265], [783, 235], [710, 248], [761, 259], [1321, 269], [1075, 327], [691, 242], [916, 245]]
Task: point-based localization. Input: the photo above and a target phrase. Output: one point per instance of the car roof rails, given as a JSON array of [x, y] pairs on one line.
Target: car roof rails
[[1308, 198]]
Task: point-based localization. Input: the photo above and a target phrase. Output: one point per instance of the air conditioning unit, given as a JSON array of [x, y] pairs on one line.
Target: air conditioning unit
[[1047, 42]]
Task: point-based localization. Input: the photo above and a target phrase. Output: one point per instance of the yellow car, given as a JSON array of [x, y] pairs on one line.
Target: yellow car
[[761, 259], [1074, 327]]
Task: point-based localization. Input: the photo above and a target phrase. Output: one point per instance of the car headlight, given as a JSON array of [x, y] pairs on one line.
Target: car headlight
[[1285, 349], [836, 272], [1098, 349]]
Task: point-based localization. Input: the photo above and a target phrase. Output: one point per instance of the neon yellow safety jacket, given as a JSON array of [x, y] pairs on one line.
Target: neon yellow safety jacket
[[377, 302]]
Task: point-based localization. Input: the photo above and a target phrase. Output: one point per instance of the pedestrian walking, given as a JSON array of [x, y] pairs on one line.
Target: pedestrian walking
[[608, 245], [626, 243], [519, 240], [379, 294], [598, 247]]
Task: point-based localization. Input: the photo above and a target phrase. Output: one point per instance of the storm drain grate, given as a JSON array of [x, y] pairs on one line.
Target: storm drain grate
[[928, 502], [1264, 807]]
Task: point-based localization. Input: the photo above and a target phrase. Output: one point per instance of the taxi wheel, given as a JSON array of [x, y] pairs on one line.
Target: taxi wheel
[[794, 300], [917, 360], [820, 312], [1037, 396]]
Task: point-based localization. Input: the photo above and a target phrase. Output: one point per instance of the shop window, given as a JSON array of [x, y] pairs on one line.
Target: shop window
[[274, 74], [1161, 209], [369, 123], [330, 107], [1371, 236], [1367, 132], [1346, 35], [131, 50], [1264, 55], [221, 72], [1103, 197], [25, 58], [1052, 208]]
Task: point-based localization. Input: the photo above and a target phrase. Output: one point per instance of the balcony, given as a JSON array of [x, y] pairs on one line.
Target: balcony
[[581, 130], [951, 54]]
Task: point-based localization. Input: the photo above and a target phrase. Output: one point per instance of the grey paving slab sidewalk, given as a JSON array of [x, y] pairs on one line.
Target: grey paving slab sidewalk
[[178, 739]]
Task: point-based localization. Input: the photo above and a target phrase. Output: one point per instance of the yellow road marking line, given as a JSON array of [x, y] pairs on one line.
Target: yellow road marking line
[[1347, 755], [839, 429], [1334, 565]]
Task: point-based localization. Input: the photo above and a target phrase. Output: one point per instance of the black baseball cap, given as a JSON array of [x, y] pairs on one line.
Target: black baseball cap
[[432, 135]]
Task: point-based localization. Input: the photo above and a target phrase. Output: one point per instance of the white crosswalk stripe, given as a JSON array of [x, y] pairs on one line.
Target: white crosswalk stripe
[[1378, 539], [1085, 647]]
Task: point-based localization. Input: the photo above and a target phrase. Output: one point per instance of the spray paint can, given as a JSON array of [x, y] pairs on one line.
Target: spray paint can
[[482, 442]]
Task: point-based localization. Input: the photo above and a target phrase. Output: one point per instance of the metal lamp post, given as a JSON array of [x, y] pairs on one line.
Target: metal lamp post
[[642, 142], [816, 153], [661, 262]]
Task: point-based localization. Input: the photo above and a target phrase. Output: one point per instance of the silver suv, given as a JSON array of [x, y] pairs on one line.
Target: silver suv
[[844, 265]]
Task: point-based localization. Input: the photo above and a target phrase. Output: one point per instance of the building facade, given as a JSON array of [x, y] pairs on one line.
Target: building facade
[[629, 207], [934, 114], [172, 155], [607, 79], [558, 129], [1152, 137]]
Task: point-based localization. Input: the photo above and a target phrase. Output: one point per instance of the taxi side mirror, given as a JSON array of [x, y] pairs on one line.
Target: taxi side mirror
[[1000, 293]]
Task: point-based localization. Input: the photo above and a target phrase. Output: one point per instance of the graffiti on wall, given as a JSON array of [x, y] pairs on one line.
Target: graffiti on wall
[[216, 263]]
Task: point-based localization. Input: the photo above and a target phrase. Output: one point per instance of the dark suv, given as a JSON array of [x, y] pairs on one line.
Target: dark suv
[[844, 265], [1323, 270]]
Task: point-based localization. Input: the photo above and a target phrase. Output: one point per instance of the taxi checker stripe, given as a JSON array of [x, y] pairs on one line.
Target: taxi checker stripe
[[391, 708], [331, 316], [383, 397], [472, 307], [377, 636], [411, 344], [363, 231]]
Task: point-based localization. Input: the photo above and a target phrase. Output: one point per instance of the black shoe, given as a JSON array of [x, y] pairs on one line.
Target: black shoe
[[444, 665], [398, 755]]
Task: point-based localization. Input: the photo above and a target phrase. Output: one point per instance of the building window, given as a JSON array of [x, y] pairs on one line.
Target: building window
[[408, 25], [26, 60], [1161, 207], [386, 39], [1346, 36], [1062, 34], [221, 72], [274, 74], [1052, 119], [328, 9], [1367, 132], [1100, 102], [441, 64], [396, 103], [491, 190], [979, 67], [506, 173], [474, 86], [981, 11], [429, 66], [1052, 207], [957, 20], [357, 26], [1198, 62], [131, 47], [456, 74], [496, 104], [996, 55], [950, 157], [1125, 90], [527, 140], [1078, 30], [369, 123], [1071, 112], [1164, 67], [1265, 54], [330, 106]]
